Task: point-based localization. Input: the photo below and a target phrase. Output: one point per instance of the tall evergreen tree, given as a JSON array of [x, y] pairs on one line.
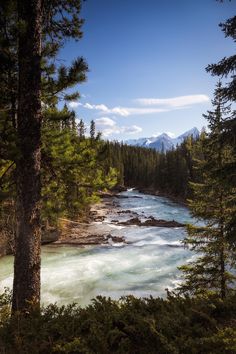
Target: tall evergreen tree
[[92, 129], [73, 169], [43, 27], [226, 68], [213, 204], [81, 129], [26, 287]]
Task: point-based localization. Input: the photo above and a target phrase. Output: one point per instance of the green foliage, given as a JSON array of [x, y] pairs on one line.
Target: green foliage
[[73, 167], [131, 325], [214, 203], [73, 170], [60, 21], [5, 306], [225, 68], [167, 173]]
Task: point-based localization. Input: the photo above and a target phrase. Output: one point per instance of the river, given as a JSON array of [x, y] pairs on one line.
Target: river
[[145, 265]]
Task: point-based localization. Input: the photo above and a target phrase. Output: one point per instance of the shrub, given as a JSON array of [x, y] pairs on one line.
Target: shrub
[[175, 325]]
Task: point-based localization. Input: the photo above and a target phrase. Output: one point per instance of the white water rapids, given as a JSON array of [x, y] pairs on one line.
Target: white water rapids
[[146, 265]]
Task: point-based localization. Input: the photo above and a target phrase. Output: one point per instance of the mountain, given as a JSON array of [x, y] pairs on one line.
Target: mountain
[[194, 132], [163, 142]]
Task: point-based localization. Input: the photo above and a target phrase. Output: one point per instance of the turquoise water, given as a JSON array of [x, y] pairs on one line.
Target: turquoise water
[[145, 265]]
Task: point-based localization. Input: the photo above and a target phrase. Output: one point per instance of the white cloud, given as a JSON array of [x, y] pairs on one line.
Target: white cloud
[[133, 129], [123, 111], [180, 101], [148, 105], [105, 121], [74, 104], [108, 127], [104, 109], [99, 107], [143, 111]]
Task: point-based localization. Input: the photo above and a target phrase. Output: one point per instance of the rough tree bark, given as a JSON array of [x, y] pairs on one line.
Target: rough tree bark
[[26, 285]]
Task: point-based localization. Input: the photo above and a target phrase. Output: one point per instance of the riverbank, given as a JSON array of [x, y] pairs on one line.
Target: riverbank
[[91, 231], [150, 191], [72, 232], [88, 233], [94, 232], [83, 265]]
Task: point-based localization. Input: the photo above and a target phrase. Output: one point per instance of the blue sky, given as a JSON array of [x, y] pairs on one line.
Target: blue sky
[[147, 64]]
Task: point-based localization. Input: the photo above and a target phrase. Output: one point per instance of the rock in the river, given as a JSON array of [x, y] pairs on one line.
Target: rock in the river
[[49, 235], [161, 223], [151, 222], [127, 212], [133, 221], [119, 196], [90, 239]]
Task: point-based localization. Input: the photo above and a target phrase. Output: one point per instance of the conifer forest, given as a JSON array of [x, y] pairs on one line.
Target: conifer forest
[[108, 246]]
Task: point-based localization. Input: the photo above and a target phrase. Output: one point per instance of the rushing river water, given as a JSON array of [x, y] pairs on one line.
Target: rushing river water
[[145, 265]]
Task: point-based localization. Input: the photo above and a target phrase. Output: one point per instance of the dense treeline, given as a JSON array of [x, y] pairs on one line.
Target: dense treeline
[[168, 173]]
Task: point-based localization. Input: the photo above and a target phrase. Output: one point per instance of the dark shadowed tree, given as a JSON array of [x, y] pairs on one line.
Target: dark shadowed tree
[[92, 130], [226, 69], [43, 27], [26, 287], [214, 203], [226, 66]]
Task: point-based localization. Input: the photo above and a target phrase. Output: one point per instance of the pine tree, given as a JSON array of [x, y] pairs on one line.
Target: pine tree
[[226, 69], [73, 170], [92, 129], [48, 24], [26, 286], [213, 204], [227, 66], [81, 129]]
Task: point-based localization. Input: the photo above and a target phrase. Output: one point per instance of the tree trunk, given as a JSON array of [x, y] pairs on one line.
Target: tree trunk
[[223, 285], [222, 271], [26, 286], [222, 251]]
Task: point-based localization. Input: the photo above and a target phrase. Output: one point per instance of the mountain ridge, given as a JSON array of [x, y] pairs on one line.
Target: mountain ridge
[[163, 142]]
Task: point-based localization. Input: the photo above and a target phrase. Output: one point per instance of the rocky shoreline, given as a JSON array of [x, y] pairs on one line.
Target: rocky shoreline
[[88, 233], [71, 232]]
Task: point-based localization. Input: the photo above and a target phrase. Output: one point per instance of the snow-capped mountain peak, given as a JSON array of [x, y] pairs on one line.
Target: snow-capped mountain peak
[[194, 132], [163, 142]]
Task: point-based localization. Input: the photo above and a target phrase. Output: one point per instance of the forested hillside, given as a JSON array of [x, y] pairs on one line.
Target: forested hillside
[[167, 173]]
